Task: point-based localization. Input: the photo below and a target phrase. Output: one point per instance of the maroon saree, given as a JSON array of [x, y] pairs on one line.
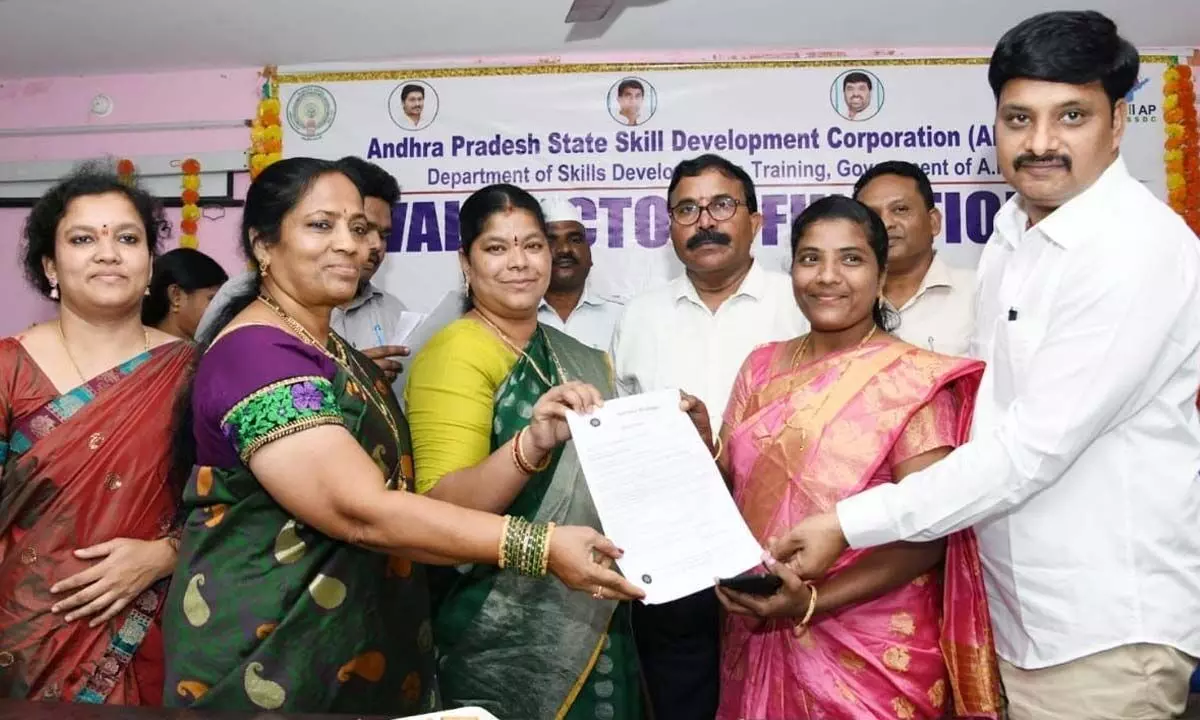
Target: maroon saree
[[78, 469]]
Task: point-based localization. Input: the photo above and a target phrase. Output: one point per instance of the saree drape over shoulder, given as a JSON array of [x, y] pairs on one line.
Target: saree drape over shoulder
[[801, 439], [81, 468]]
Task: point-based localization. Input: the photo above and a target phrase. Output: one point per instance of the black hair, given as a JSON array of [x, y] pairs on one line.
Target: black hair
[[840, 207], [186, 268], [858, 77], [1076, 47], [409, 90], [372, 180], [630, 84], [899, 168], [698, 165], [273, 194], [97, 178], [485, 202]]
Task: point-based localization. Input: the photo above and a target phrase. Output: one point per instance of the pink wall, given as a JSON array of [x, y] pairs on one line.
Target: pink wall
[[137, 99]]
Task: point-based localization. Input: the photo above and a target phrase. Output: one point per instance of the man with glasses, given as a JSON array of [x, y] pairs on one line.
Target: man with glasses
[[693, 334]]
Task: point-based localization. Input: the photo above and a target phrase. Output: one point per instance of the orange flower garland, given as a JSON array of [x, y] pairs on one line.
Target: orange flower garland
[[266, 131], [190, 213], [126, 170], [1182, 154]]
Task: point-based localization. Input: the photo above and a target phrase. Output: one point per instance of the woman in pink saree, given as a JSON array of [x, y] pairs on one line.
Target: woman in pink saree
[[898, 632]]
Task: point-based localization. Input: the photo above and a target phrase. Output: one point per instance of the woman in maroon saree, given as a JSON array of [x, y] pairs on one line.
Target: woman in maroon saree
[[85, 419]]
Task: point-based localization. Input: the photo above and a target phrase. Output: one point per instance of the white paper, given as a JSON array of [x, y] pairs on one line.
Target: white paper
[[408, 322], [467, 713], [661, 497]]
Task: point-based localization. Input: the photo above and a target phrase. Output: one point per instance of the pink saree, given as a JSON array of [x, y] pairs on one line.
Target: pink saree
[[801, 439]]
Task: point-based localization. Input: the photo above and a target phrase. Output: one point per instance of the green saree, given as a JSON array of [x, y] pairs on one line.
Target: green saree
[[265, 613], [525, 647]]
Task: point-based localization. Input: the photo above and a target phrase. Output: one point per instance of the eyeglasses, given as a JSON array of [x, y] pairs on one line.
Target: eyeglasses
[[722, 207]]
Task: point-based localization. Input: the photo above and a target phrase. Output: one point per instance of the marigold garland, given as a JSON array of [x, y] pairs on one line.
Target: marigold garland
[[1182, 156], [266, 132], [190, 212]]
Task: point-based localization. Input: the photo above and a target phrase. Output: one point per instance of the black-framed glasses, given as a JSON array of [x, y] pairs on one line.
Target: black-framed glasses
[[722, 207]]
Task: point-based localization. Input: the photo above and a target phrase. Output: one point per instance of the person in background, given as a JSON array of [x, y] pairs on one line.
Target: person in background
[[296, 589], [412, 102], [818, 418], [183, 284], [518, 647], [1080, 478], [86, 514], [857, 88], [935, 301], [694, 333], [631, 95], [570, 305], [367, 320]]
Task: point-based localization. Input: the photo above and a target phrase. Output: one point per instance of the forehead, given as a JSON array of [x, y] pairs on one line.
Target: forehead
[[857, 85], [1029, 93], [378, 211], [888, 187], [708, 183], [332, 192], [102, 209], [564, 227], [834, 234], [511, 222]]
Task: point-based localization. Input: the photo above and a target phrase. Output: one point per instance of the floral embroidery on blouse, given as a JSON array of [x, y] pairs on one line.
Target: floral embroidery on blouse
[[278, 410]]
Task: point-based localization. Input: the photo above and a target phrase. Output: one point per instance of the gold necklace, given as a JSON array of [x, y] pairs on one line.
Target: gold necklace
[[824, 396], [63, 339], [341, 358], [562, 374]]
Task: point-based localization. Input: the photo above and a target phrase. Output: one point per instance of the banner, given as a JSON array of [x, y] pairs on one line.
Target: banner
[[608, 136]]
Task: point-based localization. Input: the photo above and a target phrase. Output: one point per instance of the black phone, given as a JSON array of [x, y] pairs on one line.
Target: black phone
[[753, 584]]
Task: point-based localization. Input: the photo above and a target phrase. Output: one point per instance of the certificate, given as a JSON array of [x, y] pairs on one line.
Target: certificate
[[661, 497]]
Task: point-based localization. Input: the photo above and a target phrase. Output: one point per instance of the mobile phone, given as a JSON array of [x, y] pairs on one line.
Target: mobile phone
[[753, 584]]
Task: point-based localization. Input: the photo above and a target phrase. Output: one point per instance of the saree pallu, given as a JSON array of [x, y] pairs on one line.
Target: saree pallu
[[266, 613], [802, 439], [523, 647], [81, 468]]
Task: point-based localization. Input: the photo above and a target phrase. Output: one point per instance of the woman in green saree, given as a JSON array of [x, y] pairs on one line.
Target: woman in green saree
[[296, 589], [518, 647]]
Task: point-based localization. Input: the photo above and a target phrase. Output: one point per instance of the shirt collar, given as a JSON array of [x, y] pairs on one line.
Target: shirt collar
[[369, 291], [938, 275], [1073, 222], [589, 297], [754, 285]]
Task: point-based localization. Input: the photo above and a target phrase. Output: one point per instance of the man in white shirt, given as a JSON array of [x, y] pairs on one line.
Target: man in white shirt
[[1080, 478], [693, 334], [934, 301], [570, 304]]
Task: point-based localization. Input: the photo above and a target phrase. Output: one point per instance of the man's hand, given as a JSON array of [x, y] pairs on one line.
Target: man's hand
[[382, 356], [812, 546]]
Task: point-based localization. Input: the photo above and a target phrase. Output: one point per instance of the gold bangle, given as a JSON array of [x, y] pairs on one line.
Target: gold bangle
[[503, 538], [546, 549], [812, 608], [518, 458], [524, 461], [720, 447]]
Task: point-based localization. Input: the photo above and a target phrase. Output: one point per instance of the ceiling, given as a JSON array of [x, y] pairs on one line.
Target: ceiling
[[87, 37]]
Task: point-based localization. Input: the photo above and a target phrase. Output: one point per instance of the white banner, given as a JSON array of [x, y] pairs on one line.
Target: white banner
[[608, 136]]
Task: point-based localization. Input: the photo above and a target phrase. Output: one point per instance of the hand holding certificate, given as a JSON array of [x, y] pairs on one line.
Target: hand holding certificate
[[661, 497]]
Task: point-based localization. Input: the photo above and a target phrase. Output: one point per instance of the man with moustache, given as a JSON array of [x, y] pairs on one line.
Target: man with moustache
[[570, 304], [367, 320], [1080, 476], [856, 90], [412, 103], [693, 334], [933, 300]]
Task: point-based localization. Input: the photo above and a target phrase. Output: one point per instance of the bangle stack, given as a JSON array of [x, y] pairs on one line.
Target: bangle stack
[[802, 626], [521, 461], [525, 546]]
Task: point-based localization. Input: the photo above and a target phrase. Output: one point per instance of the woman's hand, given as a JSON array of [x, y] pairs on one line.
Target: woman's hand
[[548, 426], [573, 554], [698, 413], [125, 569], [791, 600]]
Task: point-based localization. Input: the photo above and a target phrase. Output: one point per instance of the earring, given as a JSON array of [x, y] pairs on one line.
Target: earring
[[53, 288], [147, 293], [263, 268]]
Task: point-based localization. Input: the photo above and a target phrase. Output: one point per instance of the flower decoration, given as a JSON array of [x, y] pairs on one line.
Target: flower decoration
[[190, 213], [1182, 155], [126, 170], [266, 131]]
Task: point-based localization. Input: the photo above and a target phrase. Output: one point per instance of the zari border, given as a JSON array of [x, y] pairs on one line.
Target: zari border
[[290, 429], [317, 419], [121, 649]]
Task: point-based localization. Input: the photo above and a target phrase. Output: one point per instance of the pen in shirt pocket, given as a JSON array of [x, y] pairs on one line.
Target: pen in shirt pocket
[[379, 335]]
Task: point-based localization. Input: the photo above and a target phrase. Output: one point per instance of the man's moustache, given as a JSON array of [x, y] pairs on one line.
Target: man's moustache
[[1027, 158], [559, 258], [708, 237]]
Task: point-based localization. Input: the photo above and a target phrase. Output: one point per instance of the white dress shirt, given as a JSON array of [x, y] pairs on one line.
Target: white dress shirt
[[668, 338], [592, 322], [1081, 474], [941, 315]]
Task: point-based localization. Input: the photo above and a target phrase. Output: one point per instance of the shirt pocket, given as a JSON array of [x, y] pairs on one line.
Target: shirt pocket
[[1017, 341]]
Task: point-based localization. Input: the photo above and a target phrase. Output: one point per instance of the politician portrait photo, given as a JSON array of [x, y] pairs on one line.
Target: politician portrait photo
[[632, 101], [413, 105], [856, 95]]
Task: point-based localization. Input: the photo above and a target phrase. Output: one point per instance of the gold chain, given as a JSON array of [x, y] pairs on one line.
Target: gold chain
[[341, 358], [796, 356], [562, 374], [63, 338]]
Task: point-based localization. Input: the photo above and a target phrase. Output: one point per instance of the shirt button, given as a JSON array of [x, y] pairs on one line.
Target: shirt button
[[28, 556], [112, 481], [95, 441], [6, 659]]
